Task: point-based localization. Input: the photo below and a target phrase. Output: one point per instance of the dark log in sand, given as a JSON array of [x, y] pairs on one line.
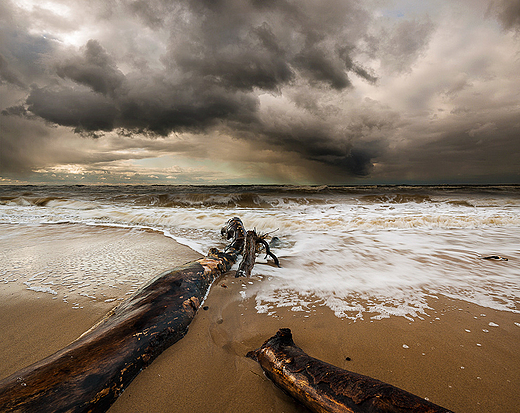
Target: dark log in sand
[[90, 373], [322, 387]]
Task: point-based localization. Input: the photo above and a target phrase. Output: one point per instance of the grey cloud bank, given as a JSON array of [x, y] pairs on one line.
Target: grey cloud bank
[[260, 91]]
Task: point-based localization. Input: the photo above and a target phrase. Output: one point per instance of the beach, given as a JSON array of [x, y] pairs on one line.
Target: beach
[[37, 321], [465, 371], [363, 155], [457, 354]]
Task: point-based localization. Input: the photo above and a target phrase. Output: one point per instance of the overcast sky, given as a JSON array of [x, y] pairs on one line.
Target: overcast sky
[[260, 91]]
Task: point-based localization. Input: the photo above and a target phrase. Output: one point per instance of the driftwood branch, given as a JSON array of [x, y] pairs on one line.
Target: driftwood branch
[[322, 387], [253, 246], [90, 373], [268, 251]]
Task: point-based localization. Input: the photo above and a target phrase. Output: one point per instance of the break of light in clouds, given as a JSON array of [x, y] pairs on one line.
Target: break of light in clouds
[[271, 91]]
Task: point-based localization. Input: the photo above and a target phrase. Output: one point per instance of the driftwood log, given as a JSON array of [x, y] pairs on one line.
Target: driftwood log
[[253, 246], [322, 387], [90, 373]]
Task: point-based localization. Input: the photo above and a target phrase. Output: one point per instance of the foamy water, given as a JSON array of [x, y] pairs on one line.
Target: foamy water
[[70, 264], [362, 252]]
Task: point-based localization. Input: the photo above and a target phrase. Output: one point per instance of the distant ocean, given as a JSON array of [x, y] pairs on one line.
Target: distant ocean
[[363, 251]]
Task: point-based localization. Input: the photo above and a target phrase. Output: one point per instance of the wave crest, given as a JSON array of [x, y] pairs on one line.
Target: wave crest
[[239, 200], [396, 198]]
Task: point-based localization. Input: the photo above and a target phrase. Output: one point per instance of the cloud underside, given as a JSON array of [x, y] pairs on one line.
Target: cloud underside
[[276, 77]]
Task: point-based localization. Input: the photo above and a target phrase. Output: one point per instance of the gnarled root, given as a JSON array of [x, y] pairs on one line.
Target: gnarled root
[[253, 245]]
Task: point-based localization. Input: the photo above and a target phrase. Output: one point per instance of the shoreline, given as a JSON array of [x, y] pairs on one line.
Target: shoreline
[[461, 356], [41, 316]]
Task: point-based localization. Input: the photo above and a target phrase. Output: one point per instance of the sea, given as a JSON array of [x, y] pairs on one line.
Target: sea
[[365, 252]]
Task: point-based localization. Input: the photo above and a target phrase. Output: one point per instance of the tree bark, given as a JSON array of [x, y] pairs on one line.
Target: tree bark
[[322, 387], [90, 373]]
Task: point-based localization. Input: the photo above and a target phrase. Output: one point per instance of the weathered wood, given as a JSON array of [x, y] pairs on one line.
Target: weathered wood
[[322, 387], [248, 256], [254, 243], [90, 373], [268, 251]]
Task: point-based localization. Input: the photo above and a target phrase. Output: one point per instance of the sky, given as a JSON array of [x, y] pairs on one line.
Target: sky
[[259, 91]]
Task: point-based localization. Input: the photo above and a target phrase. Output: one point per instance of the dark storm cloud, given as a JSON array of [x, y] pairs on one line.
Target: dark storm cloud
[[105, 99], [162, 108], [508, 13], [94, 69], [246, 47], [220, 56], [148, 107], [336, 148], [258, 65], [318, 66], [478, 149], [341, 155], [83, 110], [281, 76]]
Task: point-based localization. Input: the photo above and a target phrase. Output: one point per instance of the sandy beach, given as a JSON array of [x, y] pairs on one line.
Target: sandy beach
[[461, 356], [453, 357], [34, 323]]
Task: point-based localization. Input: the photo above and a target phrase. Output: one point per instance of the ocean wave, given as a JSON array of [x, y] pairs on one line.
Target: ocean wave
[[48, 202], [232, 200], [396, 198], [370, 251], [26, 200], [288, 216]]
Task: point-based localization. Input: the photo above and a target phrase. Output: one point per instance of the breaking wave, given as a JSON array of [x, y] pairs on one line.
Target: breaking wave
[[396, 198], [357, 250]]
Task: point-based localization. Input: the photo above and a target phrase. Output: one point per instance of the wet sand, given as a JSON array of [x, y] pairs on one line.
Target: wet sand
[[453, 357], [35, 324], [461, 356]]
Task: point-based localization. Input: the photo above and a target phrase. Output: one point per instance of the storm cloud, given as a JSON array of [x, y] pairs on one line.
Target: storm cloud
[[508, 12], [94, 69], [347, 90]]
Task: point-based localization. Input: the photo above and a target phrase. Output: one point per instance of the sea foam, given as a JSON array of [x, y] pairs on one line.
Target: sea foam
[[360, 251]]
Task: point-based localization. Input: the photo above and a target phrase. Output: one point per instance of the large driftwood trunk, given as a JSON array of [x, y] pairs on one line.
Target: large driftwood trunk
[[90, 373], [322, 387]]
